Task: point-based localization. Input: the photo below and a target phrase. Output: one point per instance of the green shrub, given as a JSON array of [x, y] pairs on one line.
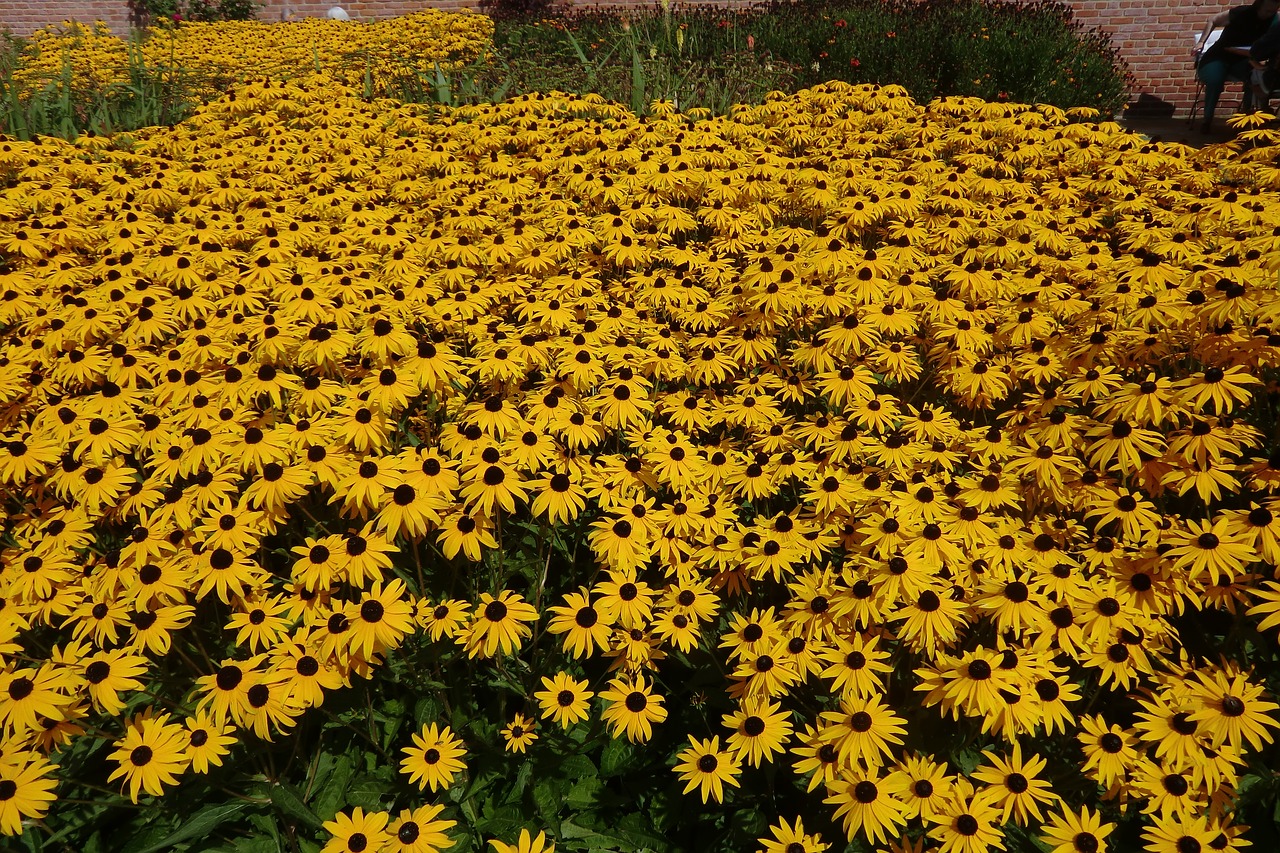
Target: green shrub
[[1024, 51]]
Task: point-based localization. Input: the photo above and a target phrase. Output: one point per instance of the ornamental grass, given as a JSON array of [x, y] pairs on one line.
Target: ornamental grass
[[844, 473]]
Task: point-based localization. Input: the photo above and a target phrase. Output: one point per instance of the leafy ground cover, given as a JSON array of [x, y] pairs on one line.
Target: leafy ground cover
[[383, 477]]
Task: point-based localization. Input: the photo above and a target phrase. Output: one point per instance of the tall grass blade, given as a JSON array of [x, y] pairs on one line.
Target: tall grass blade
[[443, 91], [637, 80]]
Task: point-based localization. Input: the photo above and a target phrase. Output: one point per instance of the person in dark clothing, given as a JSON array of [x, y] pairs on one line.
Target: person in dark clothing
[[1226, 58], [1264, 54]]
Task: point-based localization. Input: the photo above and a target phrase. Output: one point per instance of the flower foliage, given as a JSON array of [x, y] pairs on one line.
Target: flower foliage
[[922, 450], [215, 55]]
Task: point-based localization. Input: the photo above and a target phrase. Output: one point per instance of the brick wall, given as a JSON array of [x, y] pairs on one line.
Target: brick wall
[[1157, 38], [23, 16], [1154, 36]]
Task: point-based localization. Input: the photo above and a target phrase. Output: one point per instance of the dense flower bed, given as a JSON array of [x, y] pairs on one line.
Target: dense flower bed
[[917, 460], [212, 55]]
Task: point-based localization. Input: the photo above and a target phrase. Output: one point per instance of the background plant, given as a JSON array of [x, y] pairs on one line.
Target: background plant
[[694, 57]]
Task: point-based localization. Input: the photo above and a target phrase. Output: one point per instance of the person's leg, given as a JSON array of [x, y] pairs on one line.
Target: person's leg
[[1256, 84], [1242, 70], [1214, 76]]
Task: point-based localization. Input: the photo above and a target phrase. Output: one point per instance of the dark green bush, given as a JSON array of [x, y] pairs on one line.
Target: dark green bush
[[1023, 51]]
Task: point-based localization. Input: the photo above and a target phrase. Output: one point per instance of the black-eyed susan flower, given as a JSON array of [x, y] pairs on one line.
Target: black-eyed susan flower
[[968, 824], [207, 742], [1177, 834], [759, 730], [1232, 710], [583, 629], [357, 831], [631, 708], [444, 619], [26, 790], [434, 759], [869, 804], [624, 599], [420, 830], [707, 767], [466, 533], [526, 843], [564, 699], [855, 665], [498, 624], [519, 734], [559, 498], [1067, 832], [381, 619], [1015, 785], [26, 695], [110, 673], [791, 838], [151, 755], [925, 786], [864, 729], [1109, 750]]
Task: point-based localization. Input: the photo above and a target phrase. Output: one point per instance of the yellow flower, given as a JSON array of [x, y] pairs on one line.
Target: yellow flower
[[526, 844]]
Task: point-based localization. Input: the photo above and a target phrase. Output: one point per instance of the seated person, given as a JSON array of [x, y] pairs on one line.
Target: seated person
[[1264, 56], [1226, 58]]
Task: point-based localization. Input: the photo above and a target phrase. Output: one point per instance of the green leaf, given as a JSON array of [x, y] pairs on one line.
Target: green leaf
[[330, 798], [577, 767], [523, 776], [616, 757], [504, 822], [569, 829], [443, 93], [637, 82], [585, 794], [426, 710], [31, 840], [967, 759], [367, 792], [288, 800], [394, 712], [199, 824], [548, 796], [268, 828]]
